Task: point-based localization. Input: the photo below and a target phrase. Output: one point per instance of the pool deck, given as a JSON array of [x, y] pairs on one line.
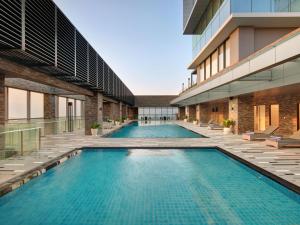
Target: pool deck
[[283, 164]]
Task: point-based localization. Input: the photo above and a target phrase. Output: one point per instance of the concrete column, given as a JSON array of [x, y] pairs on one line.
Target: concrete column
[[93, 111], [49, 106], [241, 111]]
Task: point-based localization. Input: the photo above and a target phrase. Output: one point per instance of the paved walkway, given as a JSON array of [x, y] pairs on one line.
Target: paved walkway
[[283, 163]]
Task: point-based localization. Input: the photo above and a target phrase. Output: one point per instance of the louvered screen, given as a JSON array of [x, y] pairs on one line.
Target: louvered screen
[[100, 78], [40, 30], [10, 24], [110, 82], [92, 67], [81, 58], [106, 78], [65, 44]]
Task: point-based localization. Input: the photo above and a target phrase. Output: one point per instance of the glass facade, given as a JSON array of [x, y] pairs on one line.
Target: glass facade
[[36, 105], [157, 113], [17, 104], [212, 20]]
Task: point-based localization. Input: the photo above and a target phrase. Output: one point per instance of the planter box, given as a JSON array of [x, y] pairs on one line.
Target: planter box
[[195, 122], [185, 120], [94, 132], [227, 130]]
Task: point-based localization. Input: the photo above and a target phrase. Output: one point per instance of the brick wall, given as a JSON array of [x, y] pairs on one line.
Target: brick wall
[[2, 100], [49, 106], [181, 113], [93, 111]]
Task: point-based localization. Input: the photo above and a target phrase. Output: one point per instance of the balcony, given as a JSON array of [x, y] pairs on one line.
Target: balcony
[[230, 7]]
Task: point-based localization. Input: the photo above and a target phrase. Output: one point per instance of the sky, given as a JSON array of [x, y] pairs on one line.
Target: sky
[[141, 40]]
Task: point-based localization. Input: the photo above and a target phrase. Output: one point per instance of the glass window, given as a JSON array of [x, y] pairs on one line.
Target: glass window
[[227, 53], [221, 58], [62, 107], [164, 111], [78, 108], [214, 63], [280, 5], [237, 6], [202, 72], [152, 110], [72, 106], [207, 68], [295, 5], [261, 5], [141, 110], [36, 105], [274, 115], [158, 110], [17, 104]]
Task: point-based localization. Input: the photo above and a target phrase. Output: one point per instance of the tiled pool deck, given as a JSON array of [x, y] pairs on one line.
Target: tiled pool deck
[[283, 163]]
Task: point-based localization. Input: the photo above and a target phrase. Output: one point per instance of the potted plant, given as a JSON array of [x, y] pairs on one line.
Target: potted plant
[[228, 124], [195, 122], [185, 118], [117, 122], [94, 128]]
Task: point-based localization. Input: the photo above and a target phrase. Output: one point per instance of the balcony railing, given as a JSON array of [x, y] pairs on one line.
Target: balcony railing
[[229, 7], [19, 138]]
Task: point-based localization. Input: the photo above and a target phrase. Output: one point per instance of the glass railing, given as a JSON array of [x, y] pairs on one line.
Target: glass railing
[[19, 142], [237, 6]]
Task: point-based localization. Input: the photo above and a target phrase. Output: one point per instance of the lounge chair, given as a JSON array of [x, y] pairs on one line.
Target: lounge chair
[[279, 142], [252, 136], [206, 124], [214, 126]]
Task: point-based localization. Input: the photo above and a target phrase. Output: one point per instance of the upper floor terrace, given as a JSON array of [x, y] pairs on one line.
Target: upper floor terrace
[[212, 21]]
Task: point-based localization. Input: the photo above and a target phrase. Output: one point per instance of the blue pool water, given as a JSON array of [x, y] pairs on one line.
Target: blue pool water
[[154, 129], [174, 187]]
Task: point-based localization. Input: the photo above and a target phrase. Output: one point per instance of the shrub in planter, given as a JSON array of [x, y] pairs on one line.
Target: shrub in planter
[[94, 128], [185, 118], [228, 124]]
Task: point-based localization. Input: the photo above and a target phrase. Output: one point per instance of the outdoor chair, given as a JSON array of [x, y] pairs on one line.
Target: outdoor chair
[[253, 136], [206, 124], [292, 141]]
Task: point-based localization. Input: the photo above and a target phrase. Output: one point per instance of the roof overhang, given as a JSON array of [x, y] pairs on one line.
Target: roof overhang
[[259, 20], [195, 15], [274, 66]]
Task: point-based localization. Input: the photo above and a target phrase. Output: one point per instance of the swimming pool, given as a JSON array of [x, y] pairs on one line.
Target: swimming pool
[[136, 187], [153, 129]]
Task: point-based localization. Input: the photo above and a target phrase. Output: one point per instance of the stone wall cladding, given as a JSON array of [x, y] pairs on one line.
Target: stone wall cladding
[[93, 111], [49, 106], [2, 99]]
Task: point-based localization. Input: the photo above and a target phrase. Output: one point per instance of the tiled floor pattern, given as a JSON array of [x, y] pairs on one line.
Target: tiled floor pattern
[[284, 163]]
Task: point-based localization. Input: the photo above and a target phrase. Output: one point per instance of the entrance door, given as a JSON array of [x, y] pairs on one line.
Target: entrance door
[[274, 115], [70, 117], [260, 117]]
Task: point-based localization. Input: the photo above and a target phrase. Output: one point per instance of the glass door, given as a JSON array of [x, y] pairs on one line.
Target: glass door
[[260, 117], [274, 115]]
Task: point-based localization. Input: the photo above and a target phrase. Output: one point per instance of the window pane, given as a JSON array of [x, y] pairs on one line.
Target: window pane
[[202, 72], [78, 108], [295, 6], [261, 5], [227, 53], [280, 5], [17, 104], [221, 58], [237, 6], [207, 68], [214, 63], [62, 107], [36, 105], [274, 120]]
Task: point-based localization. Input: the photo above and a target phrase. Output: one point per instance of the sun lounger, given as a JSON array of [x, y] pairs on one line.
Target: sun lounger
[[214, 126], [206, 124], [280, 142], [252, 136]]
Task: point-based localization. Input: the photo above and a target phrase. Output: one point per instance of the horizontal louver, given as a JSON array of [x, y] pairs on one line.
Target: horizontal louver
[[81, 58], [100, 79], [10, 24], [92, 67], [40, 30]]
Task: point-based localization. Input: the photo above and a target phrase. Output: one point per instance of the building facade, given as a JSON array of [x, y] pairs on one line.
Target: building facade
[[245, 65]]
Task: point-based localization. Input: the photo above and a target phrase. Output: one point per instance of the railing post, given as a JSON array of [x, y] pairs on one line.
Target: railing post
[[22, 142], [40, 138]]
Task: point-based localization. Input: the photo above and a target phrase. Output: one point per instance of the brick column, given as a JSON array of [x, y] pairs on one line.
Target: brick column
[[49, 106], [93, 111], [2, 100], [2, 110], [181, 113], [203, 112], [192, 112], [121, 110], [241, 111]]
